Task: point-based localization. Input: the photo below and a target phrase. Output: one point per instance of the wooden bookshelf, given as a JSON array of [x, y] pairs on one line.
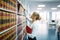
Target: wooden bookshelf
[[8, 19], [12, 20]]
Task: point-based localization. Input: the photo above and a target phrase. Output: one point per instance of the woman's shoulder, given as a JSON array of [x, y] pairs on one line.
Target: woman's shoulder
[[36, 22]]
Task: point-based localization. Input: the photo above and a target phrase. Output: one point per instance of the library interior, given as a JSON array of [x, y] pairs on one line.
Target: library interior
[[29, 19]]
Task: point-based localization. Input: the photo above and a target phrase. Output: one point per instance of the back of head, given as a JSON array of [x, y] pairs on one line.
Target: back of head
[[35, 14]]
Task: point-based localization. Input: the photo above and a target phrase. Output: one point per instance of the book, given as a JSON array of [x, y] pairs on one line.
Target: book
[[28, 30], [7, 34], [19, 29], [0, 20], [0, 3]]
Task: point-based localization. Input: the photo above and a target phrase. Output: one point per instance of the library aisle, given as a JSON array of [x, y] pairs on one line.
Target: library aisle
[[16, 20]]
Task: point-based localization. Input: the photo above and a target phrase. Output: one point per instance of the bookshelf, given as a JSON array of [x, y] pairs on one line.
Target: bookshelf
[[12, 20], [21, 21], [8, 19]]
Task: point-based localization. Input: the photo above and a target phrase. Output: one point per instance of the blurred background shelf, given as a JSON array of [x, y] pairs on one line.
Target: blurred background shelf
[[7, 10], [7, 29]]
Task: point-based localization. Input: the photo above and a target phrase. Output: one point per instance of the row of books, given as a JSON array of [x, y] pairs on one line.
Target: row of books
[[20, 8], [21, 19], [20, 37], [9, 35], [19, 28], [7, 20], [8, 4]]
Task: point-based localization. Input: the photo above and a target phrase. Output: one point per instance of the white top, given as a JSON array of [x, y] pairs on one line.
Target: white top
[[35, 25], [38, 29]]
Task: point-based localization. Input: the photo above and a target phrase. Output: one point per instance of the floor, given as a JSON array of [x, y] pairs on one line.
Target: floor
[[50, 36]]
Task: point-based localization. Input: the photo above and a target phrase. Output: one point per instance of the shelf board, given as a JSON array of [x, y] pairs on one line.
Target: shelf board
[[21, 14], [7, 10], [19, 23], [7, 29]]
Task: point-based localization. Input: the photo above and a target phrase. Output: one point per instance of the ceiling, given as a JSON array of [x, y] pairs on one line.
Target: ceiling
[[48, 4]]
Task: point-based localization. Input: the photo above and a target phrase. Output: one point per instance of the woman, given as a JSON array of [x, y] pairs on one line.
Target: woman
[[34, 26]]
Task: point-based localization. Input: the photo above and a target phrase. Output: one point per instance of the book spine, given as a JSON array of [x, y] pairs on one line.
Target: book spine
[[0, 3], [8, 33], [4, 20], [1, 20]]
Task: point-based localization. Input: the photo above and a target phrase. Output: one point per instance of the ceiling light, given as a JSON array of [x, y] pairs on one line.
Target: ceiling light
[[58, 6], [41, 5], [53, 8], [39, 8]]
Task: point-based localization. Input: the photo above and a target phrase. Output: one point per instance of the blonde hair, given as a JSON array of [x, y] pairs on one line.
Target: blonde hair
[[35, 14]]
